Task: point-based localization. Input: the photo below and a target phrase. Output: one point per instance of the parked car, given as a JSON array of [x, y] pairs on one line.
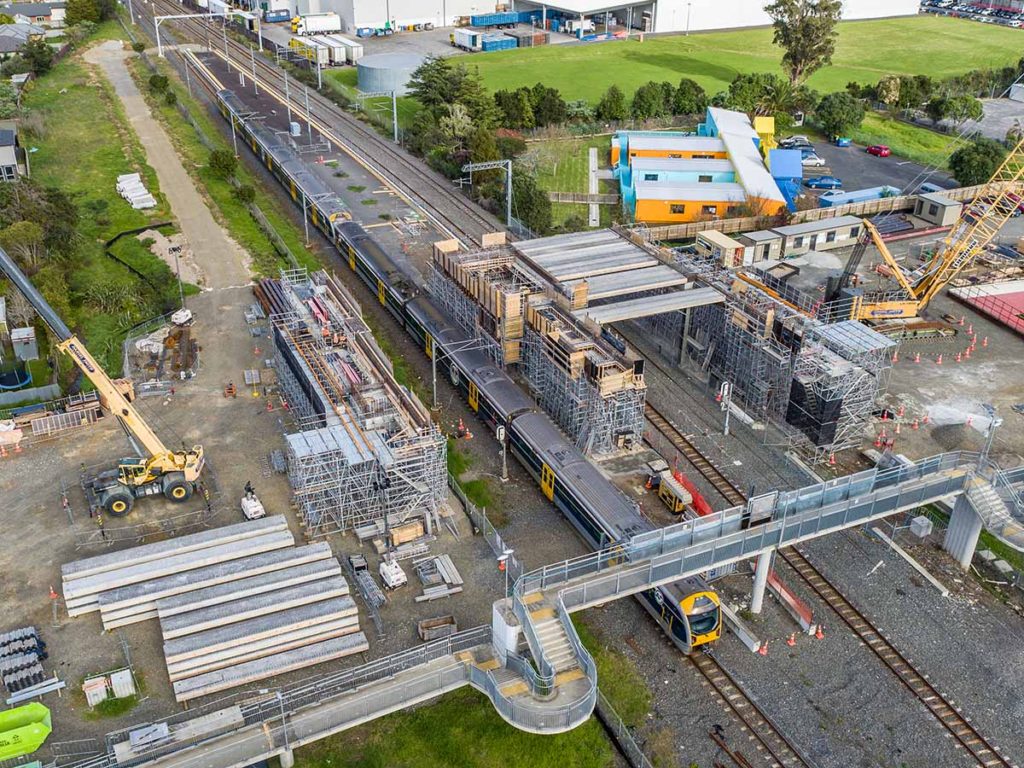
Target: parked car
[[843, 141], [812, 161], [824, 182], [879, 150], [795, 142]]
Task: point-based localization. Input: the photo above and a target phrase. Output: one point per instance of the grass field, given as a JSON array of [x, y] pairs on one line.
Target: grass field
[[907, 141], [459, 729], [866, 50], [344, 82], [562, 165]]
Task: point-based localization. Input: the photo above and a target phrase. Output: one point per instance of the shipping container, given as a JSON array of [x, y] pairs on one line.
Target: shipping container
[[273, 17], [497, 42], [495, 19], [308, 49], [467, 39], [336, 52], [316, 24], [353, 49]]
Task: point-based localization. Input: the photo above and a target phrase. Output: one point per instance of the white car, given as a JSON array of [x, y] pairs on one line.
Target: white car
[[813, 161]]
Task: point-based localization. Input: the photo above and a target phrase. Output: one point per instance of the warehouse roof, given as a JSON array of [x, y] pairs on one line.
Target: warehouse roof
[[656, 190], [591, 6]]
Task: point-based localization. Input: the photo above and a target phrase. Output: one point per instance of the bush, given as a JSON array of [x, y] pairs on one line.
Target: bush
[[138, 46], [158, 83], [245, 194], [976, 162], [170, 98], [223, 163]]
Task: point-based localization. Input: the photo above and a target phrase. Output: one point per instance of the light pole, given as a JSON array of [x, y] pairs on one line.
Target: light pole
[[503, 560], [175, 250], [688, 18]]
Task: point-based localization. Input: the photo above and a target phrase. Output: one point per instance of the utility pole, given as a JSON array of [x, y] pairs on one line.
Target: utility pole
[[491, 165], [252, 59], [287, 98], [176, 249], [309, 123]]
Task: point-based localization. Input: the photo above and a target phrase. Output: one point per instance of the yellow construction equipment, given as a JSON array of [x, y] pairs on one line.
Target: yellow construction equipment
[[162, 471], [982, 218]]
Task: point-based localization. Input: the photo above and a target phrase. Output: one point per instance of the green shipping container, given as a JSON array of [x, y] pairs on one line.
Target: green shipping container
[[23, 730]]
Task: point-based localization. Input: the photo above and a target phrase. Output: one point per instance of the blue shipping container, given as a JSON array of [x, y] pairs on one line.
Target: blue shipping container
[[494, 19], [528, 17], [498, 43], [274, 16]]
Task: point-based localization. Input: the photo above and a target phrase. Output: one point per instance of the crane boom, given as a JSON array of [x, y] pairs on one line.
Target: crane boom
[[173, 473]]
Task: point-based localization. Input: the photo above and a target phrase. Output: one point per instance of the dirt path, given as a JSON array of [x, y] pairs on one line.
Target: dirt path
[[218, 257]]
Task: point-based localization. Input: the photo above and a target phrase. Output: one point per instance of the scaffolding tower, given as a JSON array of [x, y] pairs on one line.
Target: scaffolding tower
[[365, 447]]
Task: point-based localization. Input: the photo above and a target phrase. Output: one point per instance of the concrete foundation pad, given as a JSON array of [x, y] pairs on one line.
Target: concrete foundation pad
[[174, 564], [252, 607], [252, 585], [121, 603], [250, 631], [111, 561], [287, 661]]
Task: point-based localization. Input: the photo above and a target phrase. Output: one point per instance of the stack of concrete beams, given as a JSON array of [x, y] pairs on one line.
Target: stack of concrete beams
[[236, 604], [85, 580]]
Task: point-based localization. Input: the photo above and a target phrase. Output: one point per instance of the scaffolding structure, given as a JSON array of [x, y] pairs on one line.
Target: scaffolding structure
[[365, 447]]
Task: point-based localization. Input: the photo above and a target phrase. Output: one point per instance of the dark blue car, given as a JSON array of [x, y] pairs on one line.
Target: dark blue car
[[824, 182]]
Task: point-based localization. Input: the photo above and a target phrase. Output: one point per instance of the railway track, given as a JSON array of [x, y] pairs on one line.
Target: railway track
[[425, 190], [966, 736], [768, 740]]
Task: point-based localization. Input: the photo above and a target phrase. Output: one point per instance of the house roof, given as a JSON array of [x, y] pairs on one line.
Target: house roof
[[10, 44], [681, 164], [676, 142], [21, 31], [30, 9]]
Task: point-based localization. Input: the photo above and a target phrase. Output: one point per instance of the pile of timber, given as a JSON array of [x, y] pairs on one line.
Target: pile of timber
[[236, 604], [446, 572]]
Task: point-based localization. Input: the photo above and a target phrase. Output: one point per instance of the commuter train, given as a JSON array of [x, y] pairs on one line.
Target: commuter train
[[689, 610]]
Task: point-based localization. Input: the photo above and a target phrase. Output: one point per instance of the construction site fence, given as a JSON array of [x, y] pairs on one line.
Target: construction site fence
[[179, 64], [483, 524], [894, 204], [273, 710]]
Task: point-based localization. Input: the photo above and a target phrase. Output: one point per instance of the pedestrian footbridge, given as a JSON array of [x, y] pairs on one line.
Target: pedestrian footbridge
[[530, 662]]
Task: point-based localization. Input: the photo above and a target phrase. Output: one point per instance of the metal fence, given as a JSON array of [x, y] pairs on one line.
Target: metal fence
[[620, 732], [482, 524]]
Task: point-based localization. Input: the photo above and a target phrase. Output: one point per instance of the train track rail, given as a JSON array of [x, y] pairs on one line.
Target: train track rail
[[965, 734], [769, 741], [422, 188]]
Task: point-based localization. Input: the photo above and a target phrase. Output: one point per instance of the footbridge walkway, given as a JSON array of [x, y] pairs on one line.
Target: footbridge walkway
[[530, 662]]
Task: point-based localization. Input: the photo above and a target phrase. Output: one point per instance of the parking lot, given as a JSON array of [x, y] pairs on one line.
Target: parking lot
[[974, 12]]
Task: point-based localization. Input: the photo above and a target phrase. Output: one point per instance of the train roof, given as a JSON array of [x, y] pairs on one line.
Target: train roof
[[618, 516], [494, 384]]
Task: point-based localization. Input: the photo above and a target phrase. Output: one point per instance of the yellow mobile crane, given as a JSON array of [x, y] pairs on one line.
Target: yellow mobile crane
[[163, 471], [993, 205]]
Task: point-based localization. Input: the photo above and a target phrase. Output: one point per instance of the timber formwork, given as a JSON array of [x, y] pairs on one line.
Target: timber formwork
[[364, 447]]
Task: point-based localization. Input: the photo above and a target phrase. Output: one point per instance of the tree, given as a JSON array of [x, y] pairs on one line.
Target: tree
[[976, 162], [549, 108], [6, 18], [889, 90], [456, 124], [806, 31], [648, 101], [690, 98], [19, 312], [937, 108], [38, 55], [964, 108], [245, 194], [471, 93], [24, 241], [483, 149], [509, 143], [746, 92], [612, 105], [839, 113], [158, 83], [223, 163], [668, 97], [515, 107], [911, 97], [434, 84], [81, 10], [530, 204]]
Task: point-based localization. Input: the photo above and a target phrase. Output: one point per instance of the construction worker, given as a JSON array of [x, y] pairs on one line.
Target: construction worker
[[99, 522]]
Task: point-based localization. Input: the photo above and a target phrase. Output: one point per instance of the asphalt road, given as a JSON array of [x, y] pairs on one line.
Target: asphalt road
[[859, 170]]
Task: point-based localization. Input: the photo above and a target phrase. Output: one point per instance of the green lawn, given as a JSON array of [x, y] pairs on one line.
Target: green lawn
[[562, 165], [866, 50], [908, 141], [344, 82], [459, 729]]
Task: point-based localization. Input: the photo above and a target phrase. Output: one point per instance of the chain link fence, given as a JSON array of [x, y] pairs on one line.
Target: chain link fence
[[483, 525]]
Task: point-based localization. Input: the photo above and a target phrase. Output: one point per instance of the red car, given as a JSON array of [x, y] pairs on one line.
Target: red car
[[880, 150]]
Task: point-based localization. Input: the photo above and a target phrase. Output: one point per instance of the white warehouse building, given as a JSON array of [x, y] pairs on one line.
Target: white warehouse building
[[643, 15]]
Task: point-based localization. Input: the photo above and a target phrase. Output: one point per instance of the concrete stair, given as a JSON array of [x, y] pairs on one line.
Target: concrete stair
[[554, 642], [995, 513]]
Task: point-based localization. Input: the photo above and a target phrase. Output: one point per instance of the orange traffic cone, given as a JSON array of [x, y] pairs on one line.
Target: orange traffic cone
[[878, 441], [962, 318], [939, 361], [895, 357], [270, 405], [791, 640], [763, 649], [831, 459], [970, 329], [3, 452], [901, 410], [819, 632], [917, 357], [924, 419], [914, 425], [17, 447], [958, 357], [984, 341], [897, 427]]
